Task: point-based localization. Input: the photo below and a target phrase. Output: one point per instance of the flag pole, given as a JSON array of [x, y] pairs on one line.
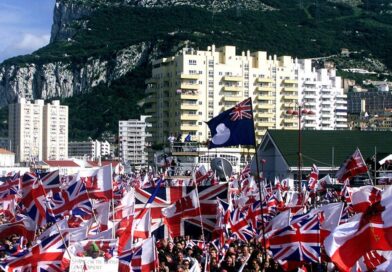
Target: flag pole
[[201, 218], [259, 185]]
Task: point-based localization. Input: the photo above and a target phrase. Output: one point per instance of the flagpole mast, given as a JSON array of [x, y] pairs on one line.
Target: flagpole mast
[[201, 218], [259, 184]]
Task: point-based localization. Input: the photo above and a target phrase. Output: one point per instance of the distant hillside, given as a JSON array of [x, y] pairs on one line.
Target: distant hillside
[[100, 68]]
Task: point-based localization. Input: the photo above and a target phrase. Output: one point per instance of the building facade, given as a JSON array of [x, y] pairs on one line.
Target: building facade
[[194, 86], [25, 130], [133, 142], [38, 131], [89, 150], [55, 133]]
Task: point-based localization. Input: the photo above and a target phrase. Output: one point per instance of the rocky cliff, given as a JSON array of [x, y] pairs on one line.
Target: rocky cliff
[[64, 79]]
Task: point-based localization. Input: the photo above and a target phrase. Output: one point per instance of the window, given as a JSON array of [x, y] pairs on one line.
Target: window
[[192, 62]]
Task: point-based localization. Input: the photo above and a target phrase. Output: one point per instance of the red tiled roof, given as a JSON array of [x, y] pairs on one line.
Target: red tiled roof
[[62, 163], [5, 151]]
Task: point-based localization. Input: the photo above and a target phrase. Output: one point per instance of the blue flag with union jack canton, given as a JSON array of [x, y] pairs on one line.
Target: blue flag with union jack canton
[[233, 126]]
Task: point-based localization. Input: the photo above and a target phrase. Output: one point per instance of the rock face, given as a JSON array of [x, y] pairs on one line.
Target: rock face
[[71, 14], [64, 79]]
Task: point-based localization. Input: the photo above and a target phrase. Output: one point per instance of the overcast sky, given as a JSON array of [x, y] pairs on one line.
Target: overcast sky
[[24, 26]]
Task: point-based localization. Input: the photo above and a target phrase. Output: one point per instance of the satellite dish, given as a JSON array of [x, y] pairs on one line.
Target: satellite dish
[[222, 168]]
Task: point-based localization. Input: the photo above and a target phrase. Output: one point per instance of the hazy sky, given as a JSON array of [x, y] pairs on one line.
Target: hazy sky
[[24, 26]]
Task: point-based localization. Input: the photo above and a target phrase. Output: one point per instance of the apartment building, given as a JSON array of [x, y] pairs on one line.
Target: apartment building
[[38, 131], [90, 149], [192, 87], [55, 133], [133, 141]]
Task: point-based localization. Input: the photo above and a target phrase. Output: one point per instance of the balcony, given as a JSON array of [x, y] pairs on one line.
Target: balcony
[[265, 89], [311, 83], [290, 89], [265, 115], [341, 119], [188, 86], [290, 120], [265, 97], [189, 96], [189, 127], [310, 125], [189, 117], [289, 97], [260, 133], [232, 98], [189, 106], [190, 76], [265, 80], [265, 106], [265, 124], [232, 89], [290, 81], [232, 78]]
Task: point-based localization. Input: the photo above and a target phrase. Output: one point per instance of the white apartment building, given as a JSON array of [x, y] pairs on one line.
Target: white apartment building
[[321, 92], [55, 133], [38, 131], [25, 130], [89, 150], [133, 141], [194, 86]]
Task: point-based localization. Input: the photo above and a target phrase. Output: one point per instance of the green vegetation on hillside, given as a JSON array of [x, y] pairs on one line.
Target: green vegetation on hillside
[[298, 28]]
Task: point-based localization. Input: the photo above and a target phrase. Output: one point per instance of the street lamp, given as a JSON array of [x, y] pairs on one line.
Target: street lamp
[[299, 111]]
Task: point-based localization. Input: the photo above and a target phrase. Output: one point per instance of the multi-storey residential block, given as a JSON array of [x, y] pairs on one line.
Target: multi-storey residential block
[[321, 92], [192, 87], [25, 130], [132, 141], [38, 131], [55, 133], [90, 149]]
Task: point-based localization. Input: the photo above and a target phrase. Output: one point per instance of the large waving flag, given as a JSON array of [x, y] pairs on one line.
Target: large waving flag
[[353, 166], [233, 126], [44, 256], [300, 241], [370, 229], [186, 207]]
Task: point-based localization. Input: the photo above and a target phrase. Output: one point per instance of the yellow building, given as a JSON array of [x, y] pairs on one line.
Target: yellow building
[[192, 87], [188, 89]]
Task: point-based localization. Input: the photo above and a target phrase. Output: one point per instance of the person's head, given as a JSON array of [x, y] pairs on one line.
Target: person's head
[[180, 268], [245, 250], [170, 245], [186, 263], [255, 265], [213, 253], [214, 261], [229, 261], [180, 256]]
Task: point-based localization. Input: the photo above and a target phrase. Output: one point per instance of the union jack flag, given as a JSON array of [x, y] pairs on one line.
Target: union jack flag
[[74, 201], [239, 226], [300, 241], [242, 110], [10, 187], [45, 256], [169, 195], [51, 181]]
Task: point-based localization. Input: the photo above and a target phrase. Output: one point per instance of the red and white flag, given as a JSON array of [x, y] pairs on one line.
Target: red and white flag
[[371, 230], [353, 166], [186, 207], [99, 182], [313, 178], [142, 225]]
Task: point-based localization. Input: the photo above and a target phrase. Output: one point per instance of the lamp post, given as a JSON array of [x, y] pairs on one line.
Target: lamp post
[[300, 112]]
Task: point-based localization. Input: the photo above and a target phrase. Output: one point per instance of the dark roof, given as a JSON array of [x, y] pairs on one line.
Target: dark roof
[[317, 145]]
